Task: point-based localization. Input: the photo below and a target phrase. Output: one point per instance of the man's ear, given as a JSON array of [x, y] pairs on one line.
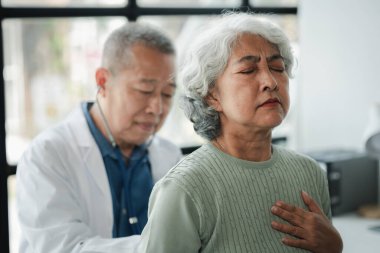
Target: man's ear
[[101, 75], [212, 99]]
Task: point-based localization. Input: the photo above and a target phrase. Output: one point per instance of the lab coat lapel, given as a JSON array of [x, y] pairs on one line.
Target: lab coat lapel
[[95, 166], [90, 152]]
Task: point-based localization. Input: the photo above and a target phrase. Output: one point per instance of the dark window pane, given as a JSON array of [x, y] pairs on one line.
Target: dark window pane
[[288, 23], [64, 3], [274, 3], [189, 3]]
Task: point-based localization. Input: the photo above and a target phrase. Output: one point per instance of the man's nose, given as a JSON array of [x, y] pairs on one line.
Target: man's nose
[[155, 105]]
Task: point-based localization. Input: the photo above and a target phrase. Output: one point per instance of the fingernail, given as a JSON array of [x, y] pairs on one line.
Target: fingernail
[[279, 203], [305, 193], [274, 209]]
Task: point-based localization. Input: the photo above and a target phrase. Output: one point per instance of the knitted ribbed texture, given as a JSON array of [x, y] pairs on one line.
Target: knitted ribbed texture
[[233, 197]]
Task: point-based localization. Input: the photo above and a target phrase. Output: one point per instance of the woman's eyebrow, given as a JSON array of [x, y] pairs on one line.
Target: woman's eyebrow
[[249, 58], [255, 58], [275, 57]]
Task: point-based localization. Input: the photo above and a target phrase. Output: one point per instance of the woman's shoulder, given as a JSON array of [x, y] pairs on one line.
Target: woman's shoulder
[[195, 160], [301, 163], [193, 169], [292, 153], [293, 156]]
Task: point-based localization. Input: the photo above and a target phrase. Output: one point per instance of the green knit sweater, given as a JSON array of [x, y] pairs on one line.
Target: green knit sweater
[[213, 202]]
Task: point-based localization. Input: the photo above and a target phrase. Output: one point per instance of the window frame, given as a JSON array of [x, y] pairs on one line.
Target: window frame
[[131, 12]]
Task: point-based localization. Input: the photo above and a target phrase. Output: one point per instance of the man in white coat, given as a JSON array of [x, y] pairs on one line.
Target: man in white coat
[[84, 185]]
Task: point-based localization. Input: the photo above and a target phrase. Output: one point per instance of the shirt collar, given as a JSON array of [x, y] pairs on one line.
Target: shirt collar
[[104, 145]]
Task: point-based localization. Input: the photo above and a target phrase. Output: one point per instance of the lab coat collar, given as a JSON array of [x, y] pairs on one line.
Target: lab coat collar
[[89, 150]]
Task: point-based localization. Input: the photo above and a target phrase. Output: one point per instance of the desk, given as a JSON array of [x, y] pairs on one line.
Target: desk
[[356, 235]]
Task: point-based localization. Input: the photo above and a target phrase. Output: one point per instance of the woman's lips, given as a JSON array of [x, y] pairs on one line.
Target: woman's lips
[[270, 102]]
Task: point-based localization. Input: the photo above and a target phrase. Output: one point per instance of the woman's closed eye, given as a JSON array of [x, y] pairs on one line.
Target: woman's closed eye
[[277, 65], [277, 69], [247, 71]]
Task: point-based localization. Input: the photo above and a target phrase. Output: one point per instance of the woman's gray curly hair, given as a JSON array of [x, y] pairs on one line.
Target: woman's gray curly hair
[[207, 58]]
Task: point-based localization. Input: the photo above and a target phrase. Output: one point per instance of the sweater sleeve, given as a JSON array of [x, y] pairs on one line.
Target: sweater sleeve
[[173, 221], [326, 196]]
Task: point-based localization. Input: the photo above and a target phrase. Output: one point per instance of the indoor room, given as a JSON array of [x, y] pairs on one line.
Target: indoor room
[[51, 52]]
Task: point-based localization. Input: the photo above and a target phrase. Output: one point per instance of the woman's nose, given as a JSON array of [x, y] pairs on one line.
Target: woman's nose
[[267, 80]]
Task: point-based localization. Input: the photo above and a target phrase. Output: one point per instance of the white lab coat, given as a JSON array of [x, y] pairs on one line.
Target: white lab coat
[[63, 195]]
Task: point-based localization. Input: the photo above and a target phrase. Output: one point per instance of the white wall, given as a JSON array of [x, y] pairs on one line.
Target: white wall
[[339, 71]]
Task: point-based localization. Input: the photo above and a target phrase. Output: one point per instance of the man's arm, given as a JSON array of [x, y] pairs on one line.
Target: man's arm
[[311, 229], [51, 215]]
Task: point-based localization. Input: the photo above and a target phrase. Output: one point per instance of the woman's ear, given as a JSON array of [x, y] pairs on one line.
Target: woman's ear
[[212, 99]]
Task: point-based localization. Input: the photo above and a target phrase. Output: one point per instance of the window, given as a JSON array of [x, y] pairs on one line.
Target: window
[[49, 58], [64, 3], [189, 3], [272, 3], [49, 67]]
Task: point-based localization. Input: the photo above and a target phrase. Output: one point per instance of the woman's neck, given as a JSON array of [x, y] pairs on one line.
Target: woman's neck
[[256, 148]]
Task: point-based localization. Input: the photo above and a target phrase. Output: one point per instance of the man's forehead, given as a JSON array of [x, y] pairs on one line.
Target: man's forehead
[[153, 81]]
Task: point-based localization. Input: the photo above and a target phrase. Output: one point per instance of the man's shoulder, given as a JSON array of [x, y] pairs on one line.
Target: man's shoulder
[[164, 143], [164, 148], [163, 155], [59, 134]]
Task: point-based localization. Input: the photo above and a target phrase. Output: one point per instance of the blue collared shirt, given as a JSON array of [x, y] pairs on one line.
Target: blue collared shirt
[[130, 182]]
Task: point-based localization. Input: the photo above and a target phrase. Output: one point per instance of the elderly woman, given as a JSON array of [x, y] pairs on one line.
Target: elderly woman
[[232, 194]]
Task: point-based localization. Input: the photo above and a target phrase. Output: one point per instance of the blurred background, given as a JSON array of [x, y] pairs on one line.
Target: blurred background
[[49, 50]]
